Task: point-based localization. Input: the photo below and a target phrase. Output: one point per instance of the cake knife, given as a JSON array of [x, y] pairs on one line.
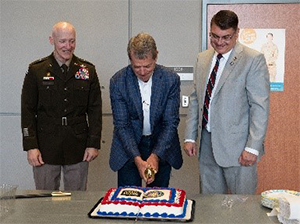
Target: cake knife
[[53, 194]]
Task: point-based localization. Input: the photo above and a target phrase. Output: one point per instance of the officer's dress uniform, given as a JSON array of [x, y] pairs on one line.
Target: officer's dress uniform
[[61, 113]]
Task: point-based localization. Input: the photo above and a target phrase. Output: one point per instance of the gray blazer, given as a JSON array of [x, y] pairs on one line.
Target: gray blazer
[[240, 107]]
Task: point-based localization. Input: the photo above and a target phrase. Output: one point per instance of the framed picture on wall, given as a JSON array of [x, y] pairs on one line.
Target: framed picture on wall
[[263, 27]]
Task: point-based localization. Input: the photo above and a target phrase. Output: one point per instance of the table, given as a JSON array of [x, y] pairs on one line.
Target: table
[[74, 209]]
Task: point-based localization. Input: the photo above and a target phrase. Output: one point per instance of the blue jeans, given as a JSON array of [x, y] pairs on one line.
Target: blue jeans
[[129, 175]]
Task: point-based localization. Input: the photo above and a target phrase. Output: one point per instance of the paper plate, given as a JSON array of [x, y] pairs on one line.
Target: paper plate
[[270, 198]]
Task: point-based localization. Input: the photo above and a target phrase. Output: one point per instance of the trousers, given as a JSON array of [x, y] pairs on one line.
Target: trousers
[[47, 177], [223, 180]]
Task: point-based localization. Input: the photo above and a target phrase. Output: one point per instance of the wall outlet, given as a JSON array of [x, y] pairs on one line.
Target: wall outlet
[[185, 101]]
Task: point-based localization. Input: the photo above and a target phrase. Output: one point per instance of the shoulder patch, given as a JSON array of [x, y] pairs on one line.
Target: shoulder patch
[[38, 61], [85, 61]]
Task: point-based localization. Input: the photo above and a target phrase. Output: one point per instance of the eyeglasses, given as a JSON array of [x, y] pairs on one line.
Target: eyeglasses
[[225, 38]]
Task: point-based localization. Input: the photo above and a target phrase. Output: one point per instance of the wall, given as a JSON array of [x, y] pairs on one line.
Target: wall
[[103, 28]]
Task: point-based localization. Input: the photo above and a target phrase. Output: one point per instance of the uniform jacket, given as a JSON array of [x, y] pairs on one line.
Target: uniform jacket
[[127, 111], [239, 109], [61, 114]]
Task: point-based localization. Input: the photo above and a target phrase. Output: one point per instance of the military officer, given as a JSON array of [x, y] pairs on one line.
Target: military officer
[[61, 114]]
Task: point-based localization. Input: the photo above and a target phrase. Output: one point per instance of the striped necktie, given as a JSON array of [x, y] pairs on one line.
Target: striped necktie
[[209, 88]]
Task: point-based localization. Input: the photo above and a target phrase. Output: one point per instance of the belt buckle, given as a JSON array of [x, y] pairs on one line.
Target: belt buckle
[[64, 121]]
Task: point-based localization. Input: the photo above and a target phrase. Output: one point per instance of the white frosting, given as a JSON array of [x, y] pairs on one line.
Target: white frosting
[[119, 208]]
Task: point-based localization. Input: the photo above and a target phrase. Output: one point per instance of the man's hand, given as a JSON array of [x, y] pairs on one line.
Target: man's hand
[[190, 148], [141, 166], [34, 157], [90, 154], [153, 162], [247, 158]]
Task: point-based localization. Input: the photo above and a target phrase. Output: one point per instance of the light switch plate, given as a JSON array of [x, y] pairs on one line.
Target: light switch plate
[[185, 101]]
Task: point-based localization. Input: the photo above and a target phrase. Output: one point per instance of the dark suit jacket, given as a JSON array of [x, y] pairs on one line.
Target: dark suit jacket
[[47, 96], [128, 116]]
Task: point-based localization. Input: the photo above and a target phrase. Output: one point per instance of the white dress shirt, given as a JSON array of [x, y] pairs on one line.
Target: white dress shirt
[[145, 90]]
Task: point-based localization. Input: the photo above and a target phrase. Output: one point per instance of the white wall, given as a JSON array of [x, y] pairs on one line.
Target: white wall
[[103, 28]]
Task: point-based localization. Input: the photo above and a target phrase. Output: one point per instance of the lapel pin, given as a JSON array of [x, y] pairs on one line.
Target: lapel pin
[[234, 59]]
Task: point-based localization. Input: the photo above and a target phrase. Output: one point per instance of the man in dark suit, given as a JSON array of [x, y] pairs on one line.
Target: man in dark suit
[[230, 107], [61, 114], [145, 100]]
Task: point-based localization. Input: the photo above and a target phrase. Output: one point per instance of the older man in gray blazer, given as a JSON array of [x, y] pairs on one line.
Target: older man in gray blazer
[[229, 108]]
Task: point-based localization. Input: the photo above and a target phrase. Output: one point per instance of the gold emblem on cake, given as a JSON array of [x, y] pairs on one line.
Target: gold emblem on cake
[[153, 194]]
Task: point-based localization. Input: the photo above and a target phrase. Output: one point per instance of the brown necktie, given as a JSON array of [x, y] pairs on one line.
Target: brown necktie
[[64, 69]]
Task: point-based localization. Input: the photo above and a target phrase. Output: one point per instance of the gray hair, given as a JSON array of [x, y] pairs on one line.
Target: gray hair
[[141, 45]]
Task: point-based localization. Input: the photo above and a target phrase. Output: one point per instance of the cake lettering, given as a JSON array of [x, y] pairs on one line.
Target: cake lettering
[[131, 193]]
